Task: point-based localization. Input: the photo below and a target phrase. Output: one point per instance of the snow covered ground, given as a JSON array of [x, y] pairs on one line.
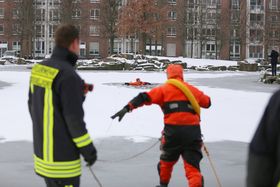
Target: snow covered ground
[[234, 114], [201, 62]]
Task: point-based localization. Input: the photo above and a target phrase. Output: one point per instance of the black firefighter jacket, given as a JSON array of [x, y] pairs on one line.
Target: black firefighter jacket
[[55, 103], [264, 151]]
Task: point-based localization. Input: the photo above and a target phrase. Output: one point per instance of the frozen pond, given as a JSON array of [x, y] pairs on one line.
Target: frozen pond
[[238, 103], [234, 115]]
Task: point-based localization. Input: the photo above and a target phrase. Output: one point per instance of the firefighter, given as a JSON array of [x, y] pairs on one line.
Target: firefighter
[[181, 135], [55, 102]]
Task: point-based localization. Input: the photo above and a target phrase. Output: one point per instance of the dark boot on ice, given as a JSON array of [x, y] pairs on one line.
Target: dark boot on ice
[[162, 185]]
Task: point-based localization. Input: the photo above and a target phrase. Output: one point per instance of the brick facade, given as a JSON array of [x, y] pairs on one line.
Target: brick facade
[[223, 29]]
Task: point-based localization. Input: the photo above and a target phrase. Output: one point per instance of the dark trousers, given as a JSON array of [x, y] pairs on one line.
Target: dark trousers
[[69, 182], [184, 141], [274, 69]]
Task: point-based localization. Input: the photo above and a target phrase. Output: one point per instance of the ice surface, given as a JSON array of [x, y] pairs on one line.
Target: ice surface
[[234, 114]]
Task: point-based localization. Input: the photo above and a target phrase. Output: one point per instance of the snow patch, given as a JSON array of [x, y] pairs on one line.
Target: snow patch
[[201, 62]]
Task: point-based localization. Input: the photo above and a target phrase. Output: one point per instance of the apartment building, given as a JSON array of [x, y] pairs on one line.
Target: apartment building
[[216, 29], [272, 25], [86, 17]]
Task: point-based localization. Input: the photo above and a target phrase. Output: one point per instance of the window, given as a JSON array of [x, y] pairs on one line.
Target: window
[[40, 14], [235, 4], [40, 31], [95, 14], [256, 51], [94, 1], [273, 4], [54, 2], [40, 2], [274, 34], [94, 48], [54, 15], [40, 47], [172, 15], [15, 13], [256, 35], [2, 12], [52, 29], [210, 48], [172, 2], [171, 31], [76, 13], [274, 18], [15, 29], [94, 30], [16, 46], [257, 4], [1, 29]]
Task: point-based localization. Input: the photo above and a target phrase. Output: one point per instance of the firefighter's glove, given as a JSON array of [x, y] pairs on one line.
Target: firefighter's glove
[[91, 159], [121, 113]]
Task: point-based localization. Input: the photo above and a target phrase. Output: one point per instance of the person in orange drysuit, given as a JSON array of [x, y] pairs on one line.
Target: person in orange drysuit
[[138, 82], [182, 134]]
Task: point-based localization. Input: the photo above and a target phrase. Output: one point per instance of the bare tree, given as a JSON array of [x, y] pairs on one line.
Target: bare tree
[[25, 25], [108, 20], [144, 18], [243, 28]]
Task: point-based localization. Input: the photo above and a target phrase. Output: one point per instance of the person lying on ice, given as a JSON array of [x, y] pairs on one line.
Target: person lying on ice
[[180, 103], [138, 82]]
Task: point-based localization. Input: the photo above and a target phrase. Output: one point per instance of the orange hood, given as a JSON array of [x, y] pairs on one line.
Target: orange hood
[[175, 71]]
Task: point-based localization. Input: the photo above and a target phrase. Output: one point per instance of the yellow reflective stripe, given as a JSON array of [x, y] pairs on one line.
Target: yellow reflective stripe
[[83, 144], [57, 174], [41, 81], [278, 184], [48, 125], [31, 88], [82, 141], [81, 138], [178, 84], [58, 163], [51, 125], [45, 71], [64, 169], [45, 126], [68, 186], [50, 167]]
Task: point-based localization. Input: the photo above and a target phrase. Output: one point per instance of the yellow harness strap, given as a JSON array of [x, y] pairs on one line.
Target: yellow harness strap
[[181, 86]]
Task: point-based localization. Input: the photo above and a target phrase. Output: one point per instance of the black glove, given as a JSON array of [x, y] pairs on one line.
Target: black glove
[[90, 154], [121, 113], [91, 161]]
